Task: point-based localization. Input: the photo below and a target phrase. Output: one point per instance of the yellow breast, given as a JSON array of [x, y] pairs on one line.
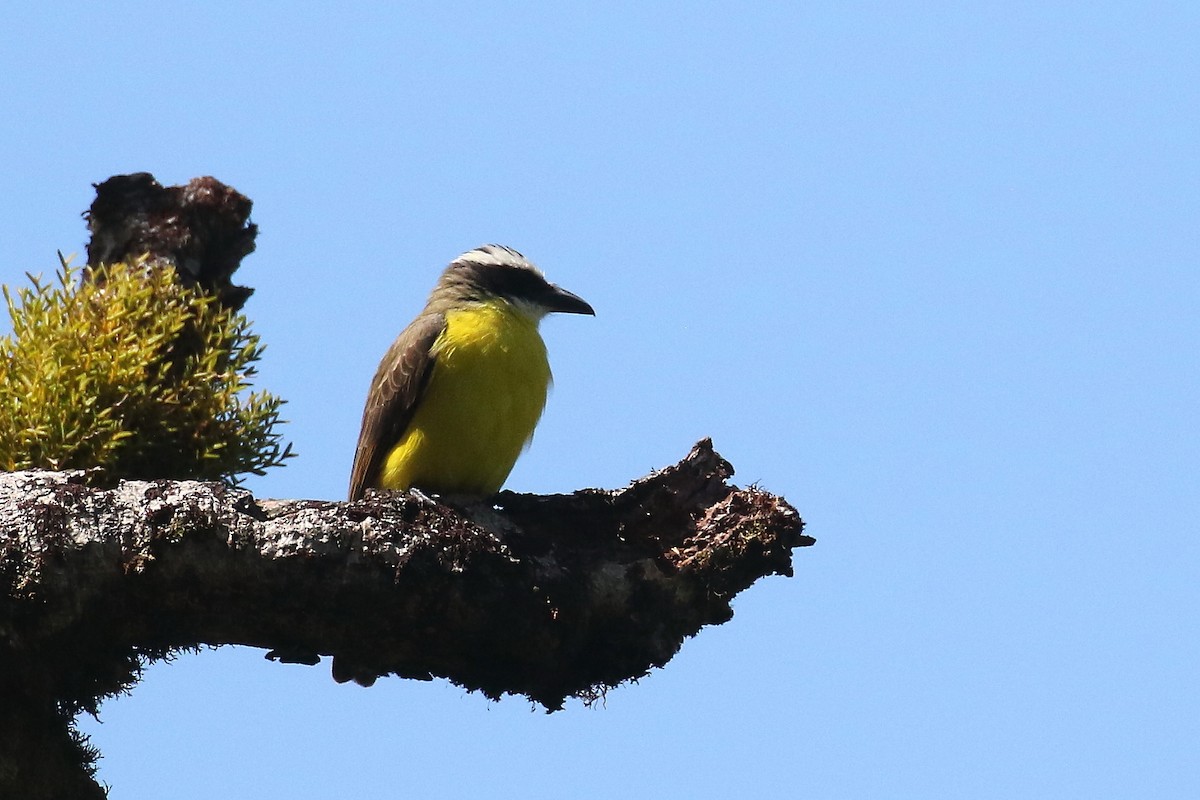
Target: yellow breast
[[479, 409]]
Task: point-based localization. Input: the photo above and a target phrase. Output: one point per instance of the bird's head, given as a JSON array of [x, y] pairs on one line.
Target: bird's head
[[494, 272]]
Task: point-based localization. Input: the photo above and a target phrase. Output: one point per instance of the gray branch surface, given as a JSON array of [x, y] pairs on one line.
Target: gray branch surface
[[543, 596]]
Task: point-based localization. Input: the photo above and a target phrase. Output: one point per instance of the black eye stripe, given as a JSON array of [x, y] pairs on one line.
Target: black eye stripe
[[513, 281]]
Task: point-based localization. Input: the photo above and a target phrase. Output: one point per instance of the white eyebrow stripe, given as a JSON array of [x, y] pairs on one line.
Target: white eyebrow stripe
[[496, 255]]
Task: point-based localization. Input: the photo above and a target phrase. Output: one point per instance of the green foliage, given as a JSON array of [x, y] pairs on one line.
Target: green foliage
[[130, 371]]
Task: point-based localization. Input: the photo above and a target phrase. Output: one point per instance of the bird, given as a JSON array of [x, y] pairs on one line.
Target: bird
[[456, 397]]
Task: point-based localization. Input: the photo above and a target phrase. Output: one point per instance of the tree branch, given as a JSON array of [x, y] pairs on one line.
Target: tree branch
[[202, 229], [548, 597]]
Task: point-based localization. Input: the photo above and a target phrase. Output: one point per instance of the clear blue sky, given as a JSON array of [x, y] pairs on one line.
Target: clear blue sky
[[929, 270]]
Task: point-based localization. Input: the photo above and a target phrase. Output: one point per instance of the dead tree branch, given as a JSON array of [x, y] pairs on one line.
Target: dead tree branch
[[547, 597], [202, 229]]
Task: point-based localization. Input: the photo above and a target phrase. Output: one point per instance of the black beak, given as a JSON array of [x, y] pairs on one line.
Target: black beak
[[564, 302]]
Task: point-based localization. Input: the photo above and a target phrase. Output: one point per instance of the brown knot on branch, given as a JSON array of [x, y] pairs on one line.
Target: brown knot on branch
[[543, 596], [202, 229]]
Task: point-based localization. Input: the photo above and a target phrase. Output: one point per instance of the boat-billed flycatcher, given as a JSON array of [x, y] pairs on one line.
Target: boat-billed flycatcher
[[457, 395]]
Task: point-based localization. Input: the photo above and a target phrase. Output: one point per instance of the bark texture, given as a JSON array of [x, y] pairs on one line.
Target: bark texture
[[202, 229], [543, 596]]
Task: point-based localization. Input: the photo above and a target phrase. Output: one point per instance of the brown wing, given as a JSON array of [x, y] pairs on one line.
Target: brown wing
[[395, 391]]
